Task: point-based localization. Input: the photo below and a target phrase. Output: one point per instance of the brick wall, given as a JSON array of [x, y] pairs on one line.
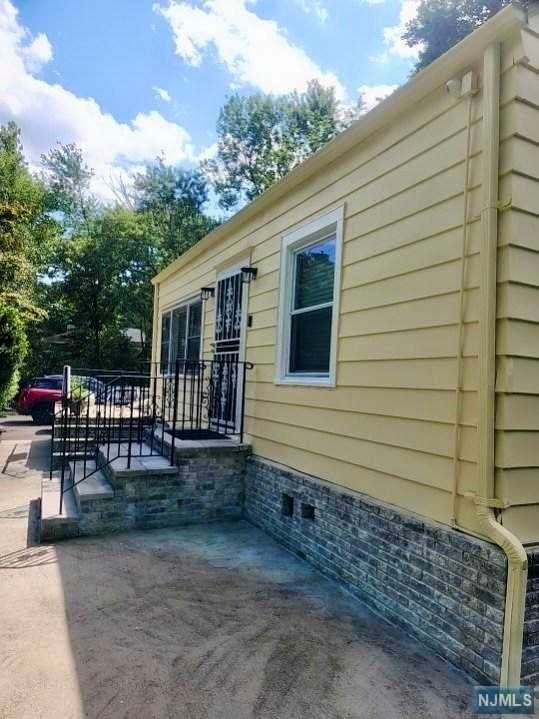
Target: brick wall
[[205, 485], [445, 587], [530, 647]]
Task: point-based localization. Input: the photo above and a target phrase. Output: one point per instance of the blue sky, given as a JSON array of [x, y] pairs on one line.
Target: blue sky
[[129, 79]]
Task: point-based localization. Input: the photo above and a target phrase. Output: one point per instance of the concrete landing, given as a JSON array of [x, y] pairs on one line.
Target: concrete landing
[[96, 486], [141, 462]]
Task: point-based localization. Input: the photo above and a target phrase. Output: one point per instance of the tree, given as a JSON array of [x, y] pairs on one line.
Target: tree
[[262, 137], [94, 291], [27, 235], [172, 201], [13, 348], [68, 179], [440, 24], [99, 283]]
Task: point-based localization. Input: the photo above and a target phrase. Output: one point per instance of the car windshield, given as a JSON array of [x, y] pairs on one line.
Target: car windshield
[[47, 383]]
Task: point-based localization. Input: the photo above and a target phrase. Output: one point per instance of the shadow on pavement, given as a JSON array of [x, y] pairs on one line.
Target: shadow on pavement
[[39, 456], [18, 422]]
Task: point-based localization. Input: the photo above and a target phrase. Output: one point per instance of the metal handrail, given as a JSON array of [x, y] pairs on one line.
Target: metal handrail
[[201, 399]]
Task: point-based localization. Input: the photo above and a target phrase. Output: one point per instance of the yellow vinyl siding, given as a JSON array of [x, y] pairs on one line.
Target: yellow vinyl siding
[[387, 427], [517, 346]]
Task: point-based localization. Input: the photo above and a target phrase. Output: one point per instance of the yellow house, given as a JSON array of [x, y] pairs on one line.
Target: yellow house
[[387, 293]]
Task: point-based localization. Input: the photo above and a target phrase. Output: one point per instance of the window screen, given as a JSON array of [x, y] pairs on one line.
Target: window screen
[[312, 308], [181, 332]]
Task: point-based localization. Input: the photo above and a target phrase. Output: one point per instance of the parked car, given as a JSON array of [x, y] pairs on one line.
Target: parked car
[[38, 396]]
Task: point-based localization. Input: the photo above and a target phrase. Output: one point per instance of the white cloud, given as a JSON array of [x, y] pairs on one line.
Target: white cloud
[[395, 45], [316, 8], [48, 112], [255, 51], [38, 53], [371, 95], [161, 93]]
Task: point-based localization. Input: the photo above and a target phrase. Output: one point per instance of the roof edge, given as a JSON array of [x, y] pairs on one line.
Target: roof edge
[[451, 62]]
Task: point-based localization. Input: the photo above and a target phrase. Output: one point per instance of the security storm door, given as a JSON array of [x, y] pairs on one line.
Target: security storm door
[[228, 348]]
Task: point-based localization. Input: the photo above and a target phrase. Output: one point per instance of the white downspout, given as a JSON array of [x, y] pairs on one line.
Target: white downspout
[[517, 564]]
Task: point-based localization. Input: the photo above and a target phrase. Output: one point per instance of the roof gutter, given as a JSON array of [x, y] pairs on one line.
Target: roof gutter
[[453, 62]]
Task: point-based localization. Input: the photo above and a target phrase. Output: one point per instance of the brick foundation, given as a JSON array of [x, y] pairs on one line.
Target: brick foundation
[[206, 485], [530, 645], [444, 587]]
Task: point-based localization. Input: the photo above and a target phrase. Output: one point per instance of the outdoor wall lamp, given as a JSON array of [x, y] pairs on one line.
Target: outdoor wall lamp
[[248, 274], [206, 293]]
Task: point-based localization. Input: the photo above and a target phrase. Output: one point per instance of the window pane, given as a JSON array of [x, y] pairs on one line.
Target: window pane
[[165, 341], [47, 383], [179, 328], [310, 340], [195, 318], [315, 270], [193, 348]]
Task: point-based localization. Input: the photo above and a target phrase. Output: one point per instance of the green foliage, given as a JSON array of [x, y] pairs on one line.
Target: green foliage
[[440, 24], [13, 348], [68, 179], [97, 261], [27, 236], [262, 137], [171, 201], [27, 233], [101, 282], [97, 279]]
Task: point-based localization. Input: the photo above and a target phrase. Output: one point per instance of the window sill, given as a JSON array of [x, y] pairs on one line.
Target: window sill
[[306, 381]]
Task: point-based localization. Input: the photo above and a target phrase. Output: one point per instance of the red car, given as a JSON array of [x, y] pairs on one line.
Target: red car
[[37, 398]]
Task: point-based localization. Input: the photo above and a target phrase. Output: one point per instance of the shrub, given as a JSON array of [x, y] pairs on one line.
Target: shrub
[[13, 348]]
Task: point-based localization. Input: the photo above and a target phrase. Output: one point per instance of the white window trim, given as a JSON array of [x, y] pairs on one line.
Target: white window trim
[[315, 231], [169, 310]]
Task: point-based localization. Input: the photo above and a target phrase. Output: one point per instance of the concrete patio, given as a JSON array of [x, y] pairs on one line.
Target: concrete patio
[[196, 622]]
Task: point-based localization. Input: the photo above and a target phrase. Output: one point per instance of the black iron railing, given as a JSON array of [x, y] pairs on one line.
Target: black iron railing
[[107, 415]]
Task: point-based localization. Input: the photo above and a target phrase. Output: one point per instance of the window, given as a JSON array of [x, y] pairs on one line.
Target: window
[[310, 271], [181, 331], [47, 383]]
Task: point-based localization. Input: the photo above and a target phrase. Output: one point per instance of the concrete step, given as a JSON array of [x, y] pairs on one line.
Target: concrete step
[[71, 454], [53, 524], [94, 487], [81, 445], [81, 431], [142, 460], [58, 441]]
